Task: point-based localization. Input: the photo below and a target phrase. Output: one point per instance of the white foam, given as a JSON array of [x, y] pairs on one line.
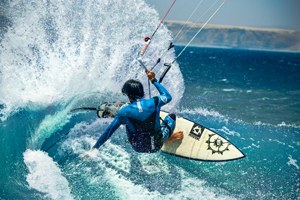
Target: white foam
[[205, 112], [47, 127], [276, 140], [153, 163], [292, 162], [257, 146], [126, 175], [52, 53], [45, 175], [186, 187], [121, 159], [282, 124], [229, 90], [52, 59], [228, 132]]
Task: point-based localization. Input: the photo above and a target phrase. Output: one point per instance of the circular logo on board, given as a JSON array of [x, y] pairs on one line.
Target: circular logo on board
[[216, 144]]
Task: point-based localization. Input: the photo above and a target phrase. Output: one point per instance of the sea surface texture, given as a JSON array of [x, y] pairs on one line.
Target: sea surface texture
[[60, 55]]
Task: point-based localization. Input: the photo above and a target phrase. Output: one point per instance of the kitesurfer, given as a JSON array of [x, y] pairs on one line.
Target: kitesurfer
[[141, 117]]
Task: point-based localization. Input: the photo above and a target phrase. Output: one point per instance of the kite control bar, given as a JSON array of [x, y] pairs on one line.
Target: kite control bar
[[141, 62]]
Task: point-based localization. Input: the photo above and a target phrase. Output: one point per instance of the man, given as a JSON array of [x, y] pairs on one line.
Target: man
[[142, 120]]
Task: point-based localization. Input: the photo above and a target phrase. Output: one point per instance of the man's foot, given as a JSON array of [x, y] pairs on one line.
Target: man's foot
[[176, 136]]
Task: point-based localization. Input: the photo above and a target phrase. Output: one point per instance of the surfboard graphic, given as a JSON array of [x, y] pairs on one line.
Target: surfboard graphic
[[200, 143]]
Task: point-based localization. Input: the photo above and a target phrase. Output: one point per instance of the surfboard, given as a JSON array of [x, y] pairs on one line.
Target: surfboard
[[198, 143]]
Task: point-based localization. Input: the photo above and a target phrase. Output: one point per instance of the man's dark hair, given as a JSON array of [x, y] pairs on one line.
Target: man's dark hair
[[133, 89]]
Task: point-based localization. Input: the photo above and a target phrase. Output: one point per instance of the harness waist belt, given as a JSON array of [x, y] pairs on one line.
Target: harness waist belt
[[148, 142]]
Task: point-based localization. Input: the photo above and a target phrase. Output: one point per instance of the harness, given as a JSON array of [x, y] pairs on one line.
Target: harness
[[146, 139]]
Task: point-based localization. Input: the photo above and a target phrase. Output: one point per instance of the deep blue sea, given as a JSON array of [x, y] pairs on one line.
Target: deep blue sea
[[59, 55]]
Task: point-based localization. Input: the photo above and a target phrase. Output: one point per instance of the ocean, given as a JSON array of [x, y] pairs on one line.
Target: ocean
[[59, 55]]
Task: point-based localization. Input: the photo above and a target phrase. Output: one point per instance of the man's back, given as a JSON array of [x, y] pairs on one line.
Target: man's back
[[139, 109]]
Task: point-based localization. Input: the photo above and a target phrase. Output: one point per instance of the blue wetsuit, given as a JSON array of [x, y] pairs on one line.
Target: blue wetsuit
[[142, 111]]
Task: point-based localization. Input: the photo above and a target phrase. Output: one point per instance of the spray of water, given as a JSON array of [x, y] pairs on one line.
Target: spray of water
[[56, 50], [57, 53]]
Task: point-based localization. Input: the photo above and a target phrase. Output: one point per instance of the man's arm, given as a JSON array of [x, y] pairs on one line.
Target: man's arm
[[164, 97], [106, 135], [108, 132]]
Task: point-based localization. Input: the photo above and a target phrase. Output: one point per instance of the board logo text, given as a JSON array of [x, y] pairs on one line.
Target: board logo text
[[196, 131]]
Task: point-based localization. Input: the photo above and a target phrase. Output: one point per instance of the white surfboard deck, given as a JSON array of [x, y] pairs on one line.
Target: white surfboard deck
[[200, 143]]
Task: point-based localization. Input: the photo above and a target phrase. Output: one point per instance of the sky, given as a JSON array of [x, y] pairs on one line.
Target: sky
[[283, 14]]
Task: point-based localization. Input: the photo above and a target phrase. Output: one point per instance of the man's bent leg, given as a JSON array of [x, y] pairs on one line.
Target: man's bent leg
[[178, 135], [168, 133]]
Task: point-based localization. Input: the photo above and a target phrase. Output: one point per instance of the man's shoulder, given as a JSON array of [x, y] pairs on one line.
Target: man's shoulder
[[124, 110]]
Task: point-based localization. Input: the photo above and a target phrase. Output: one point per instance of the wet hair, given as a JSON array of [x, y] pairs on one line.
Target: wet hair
[[133, 89]]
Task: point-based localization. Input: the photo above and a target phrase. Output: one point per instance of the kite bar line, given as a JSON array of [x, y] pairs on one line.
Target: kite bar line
[[171, 44], [141, 62], [198, 31], [163, 19], [165, 72], [195, 22], [147, 39], [158, 60], [145, 47], [170, 64], [187, 20]]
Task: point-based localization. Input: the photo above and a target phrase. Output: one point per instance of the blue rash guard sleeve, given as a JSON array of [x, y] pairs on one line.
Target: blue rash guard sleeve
[[164, 97], [109, 131]]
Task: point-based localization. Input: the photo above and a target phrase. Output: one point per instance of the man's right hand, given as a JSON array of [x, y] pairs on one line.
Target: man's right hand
[[150, 74]]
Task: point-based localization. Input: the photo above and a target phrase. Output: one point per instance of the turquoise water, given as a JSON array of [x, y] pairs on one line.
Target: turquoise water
[[60, 55]]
